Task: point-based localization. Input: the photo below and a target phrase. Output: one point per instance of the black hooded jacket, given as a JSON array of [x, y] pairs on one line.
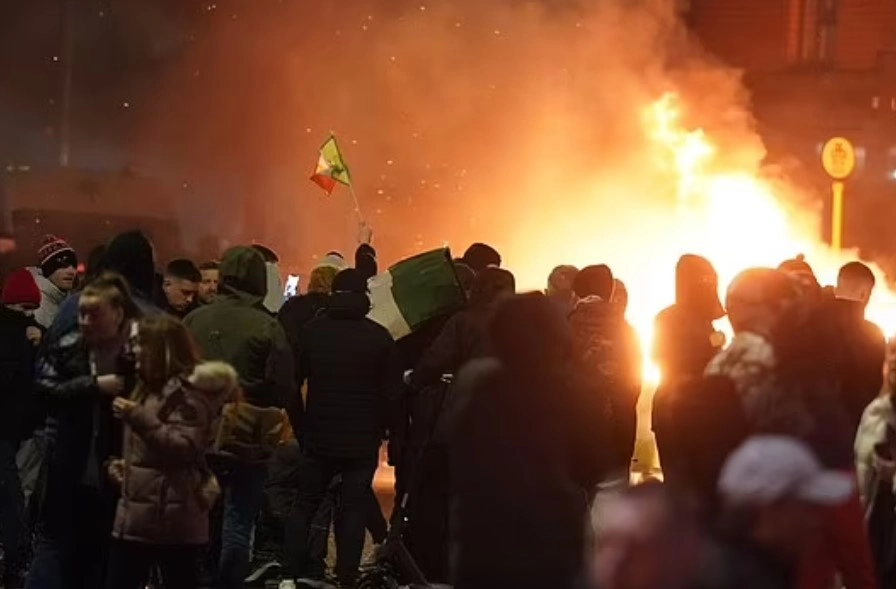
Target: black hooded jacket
[[352, 369], [683, 340]]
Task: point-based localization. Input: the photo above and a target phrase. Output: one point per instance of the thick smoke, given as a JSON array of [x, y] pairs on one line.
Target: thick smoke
[[514, 123]]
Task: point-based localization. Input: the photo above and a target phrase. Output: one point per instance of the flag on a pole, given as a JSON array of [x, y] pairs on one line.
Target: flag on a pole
[[413, 291], [331, 167]]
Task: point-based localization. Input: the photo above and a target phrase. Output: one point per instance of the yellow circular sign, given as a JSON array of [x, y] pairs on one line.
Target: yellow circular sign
[[838, 158]]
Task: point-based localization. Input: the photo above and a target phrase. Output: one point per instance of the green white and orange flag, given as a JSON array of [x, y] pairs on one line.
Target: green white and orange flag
[[331, 167]]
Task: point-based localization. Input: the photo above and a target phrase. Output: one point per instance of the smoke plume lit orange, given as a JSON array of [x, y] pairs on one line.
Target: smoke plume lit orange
[[559, 132]]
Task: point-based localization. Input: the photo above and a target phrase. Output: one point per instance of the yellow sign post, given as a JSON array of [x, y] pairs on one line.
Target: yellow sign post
[[839, 160]]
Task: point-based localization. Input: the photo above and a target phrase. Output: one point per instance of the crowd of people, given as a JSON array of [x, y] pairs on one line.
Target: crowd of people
[[190, 428]]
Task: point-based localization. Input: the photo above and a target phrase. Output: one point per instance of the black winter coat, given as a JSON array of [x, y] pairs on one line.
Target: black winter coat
[[19, 407], [87, 435], [296, 313], [683, 343], [464, 338], [862, 355], [525, 453], [352, 368], [609, 358]]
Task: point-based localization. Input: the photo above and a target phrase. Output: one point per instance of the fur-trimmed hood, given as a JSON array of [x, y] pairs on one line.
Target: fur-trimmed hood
[[750, 362], [215, 379], [876, 428]]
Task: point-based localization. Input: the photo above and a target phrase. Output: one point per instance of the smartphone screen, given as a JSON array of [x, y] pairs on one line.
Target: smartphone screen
[[292, 286]]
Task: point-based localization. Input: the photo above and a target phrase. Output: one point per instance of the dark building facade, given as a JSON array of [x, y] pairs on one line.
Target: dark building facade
[[818, 69]]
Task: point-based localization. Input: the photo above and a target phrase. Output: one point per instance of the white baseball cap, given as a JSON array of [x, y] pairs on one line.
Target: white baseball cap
[[768, 468]]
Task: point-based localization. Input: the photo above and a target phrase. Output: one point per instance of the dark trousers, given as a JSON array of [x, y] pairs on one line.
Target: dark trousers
[[73, 537], [12, 501], [243, 499], [351, 520], [329, 510], [131, 562]]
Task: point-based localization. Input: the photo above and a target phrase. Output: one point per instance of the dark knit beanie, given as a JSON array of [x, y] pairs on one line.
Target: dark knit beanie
[[55, 254], [21, 289]]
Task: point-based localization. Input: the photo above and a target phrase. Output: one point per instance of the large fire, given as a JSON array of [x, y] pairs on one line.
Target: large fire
[[734, 217]]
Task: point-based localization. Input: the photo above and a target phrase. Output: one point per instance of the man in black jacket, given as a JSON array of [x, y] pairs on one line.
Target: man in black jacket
[[864, 346], [352, 369]]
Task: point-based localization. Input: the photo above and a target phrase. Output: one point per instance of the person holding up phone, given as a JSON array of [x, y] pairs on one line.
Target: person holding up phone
[[80, 374]]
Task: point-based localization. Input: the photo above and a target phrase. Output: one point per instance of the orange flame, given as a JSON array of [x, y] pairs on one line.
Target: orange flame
[[732, 216]]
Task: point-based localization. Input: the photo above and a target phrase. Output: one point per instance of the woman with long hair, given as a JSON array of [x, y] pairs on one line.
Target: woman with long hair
[[166, 488]]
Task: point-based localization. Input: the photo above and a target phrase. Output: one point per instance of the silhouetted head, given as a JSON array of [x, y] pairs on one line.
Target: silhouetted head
[[855, 282], [594, 281], [492, 285], [480, 256]]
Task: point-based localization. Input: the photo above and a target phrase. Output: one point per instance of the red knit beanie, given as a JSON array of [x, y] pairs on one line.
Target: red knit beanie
[[20, 289], [55, 253]]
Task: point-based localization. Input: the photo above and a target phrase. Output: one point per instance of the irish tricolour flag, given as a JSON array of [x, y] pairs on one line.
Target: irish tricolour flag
[[413, 291], [331, 167]]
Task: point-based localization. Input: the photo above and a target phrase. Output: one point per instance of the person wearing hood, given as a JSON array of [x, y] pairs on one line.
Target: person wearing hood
[[717, 411], [162, 517], [237, 329], [525, 451], [20, 337], [685, 339], [684, 342], [274, 298], [55, 275], [603, 354], [352, 369], [480, 256]]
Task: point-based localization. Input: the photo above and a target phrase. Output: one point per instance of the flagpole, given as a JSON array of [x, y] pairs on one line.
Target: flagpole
[[351, 189]]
